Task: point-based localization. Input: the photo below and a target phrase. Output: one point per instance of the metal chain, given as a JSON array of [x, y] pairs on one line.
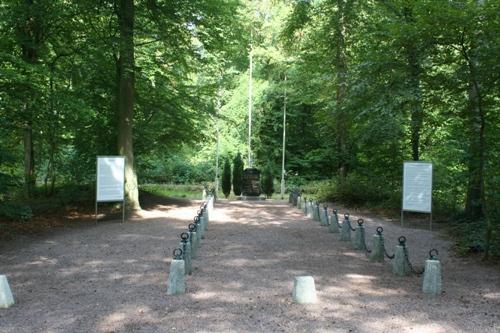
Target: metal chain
[[385, 251], [367, 251], [405, 251], [349, 224]]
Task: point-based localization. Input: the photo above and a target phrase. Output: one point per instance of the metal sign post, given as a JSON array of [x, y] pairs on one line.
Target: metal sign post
[[110, 181], [417, 189]]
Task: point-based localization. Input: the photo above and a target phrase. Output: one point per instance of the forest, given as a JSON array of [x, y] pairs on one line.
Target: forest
[[366, 85]]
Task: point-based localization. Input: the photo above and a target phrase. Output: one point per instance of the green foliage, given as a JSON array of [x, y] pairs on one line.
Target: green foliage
[[176, 169], [268, 181], [226, 178], [237, 174], [174, 190], [16, 212]]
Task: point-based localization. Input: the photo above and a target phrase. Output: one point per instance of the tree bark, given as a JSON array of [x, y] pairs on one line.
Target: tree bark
[[126, 100], [30, 41], [341, 89], [29, 161], [474, 202], [415, 69]]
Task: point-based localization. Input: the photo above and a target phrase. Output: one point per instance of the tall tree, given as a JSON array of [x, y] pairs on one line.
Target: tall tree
[[126, 91], [237, 174]]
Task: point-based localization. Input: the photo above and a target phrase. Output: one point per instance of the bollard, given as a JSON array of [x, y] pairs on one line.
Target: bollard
[[201, 224], [304, 290], [299, 202], [193, 240], [317, 212], [199, 229], [359, 236], [186, 252], [400, 266], [205, 217], [324, 216], [378, 249], [176, 278], [334, 223], [305, 206], [345, 232], [310, 209], [6, 298], [432, 274]]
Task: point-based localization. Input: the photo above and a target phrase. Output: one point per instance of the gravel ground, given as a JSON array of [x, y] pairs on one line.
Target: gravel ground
[[111, 277]]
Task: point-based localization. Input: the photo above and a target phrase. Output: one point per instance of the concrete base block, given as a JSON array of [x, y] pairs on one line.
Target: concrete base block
[[345, 232], [195, 244], [6, 298], [187, 257], [176, 279], [359, 238], [317, 213], [432, 277], [400, 266], [334, 225], [310, 210], [377, 249], [304, 290], [324, 218]]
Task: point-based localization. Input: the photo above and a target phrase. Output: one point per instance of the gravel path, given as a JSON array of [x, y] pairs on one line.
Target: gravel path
[[112, 278]]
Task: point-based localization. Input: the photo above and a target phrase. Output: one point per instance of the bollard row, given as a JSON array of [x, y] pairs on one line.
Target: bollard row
[[401, 265], [189, 245]]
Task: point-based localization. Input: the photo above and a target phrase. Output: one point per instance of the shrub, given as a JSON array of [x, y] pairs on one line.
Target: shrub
[[16, 212], [237, 174], [267, 181], [226, 179]]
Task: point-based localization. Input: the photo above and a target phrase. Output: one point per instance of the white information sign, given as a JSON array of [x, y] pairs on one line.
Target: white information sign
[[110, 178], [417, 187]]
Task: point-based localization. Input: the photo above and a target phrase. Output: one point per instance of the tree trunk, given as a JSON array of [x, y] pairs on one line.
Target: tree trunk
[[415, 69], [341, 89], [30, 41], [29, 161], [474, 202], [126, 100]]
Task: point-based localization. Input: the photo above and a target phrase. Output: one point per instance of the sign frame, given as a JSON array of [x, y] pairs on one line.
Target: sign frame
[[403, 192], [97, 184]]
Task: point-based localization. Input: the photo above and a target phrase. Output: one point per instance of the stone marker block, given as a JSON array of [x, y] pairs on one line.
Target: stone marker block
[[400, 266], [195, 244], [334, 224], [186, 254], [310, 210], [304, 290], [176, 279], [378, 248], [359, 238], [432, 277], [345, 233], [317, 213], [324, 218], [6, 298]]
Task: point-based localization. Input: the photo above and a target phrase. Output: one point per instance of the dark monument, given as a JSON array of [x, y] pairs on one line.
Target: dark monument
[[251, 182]]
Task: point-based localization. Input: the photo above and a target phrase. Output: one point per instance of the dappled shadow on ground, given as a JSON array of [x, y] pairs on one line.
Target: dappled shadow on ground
[[112, 278]]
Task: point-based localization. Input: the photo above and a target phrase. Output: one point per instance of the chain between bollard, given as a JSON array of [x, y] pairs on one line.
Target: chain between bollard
[[367, 251], [346, 217], [380, 230], [335, 212], [402, 242]]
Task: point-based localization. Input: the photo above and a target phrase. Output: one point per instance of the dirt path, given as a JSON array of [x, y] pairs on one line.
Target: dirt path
[[112, 278]]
